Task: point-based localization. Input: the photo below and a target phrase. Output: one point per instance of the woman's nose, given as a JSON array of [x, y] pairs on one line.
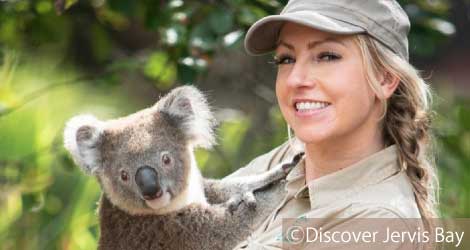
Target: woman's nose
[[300, 76]]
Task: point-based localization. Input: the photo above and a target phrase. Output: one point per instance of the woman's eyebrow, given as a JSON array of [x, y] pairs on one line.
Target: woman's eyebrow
[[282, 43], [312, 44]]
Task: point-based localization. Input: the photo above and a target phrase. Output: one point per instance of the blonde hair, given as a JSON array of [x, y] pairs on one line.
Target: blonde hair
[[406, 119]]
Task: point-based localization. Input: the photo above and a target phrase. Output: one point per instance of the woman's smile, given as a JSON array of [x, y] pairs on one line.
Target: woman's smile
[[310, 108]]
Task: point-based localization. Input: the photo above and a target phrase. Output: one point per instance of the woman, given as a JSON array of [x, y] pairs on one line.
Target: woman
[[358, 108]]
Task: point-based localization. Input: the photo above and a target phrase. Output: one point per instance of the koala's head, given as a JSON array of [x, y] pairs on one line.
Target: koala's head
[[143, 161]]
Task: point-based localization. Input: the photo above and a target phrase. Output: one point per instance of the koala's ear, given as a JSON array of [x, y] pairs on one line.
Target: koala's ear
[[82, 136], [194, 118]]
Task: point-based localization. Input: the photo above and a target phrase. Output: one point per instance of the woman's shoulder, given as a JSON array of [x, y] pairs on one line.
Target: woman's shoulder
[[391, 198], [265, 161]]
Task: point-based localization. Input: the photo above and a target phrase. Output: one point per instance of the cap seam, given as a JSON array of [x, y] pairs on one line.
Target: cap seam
[[355, 11], [366, 31], [392, 32]]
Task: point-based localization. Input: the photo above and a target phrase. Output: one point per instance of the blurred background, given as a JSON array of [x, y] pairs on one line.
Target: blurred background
[[114, 57]]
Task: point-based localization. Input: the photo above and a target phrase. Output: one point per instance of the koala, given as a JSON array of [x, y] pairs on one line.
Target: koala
[[154, 196]]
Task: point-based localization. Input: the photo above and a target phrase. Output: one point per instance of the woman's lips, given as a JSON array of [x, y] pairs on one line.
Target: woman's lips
[[305, 108]]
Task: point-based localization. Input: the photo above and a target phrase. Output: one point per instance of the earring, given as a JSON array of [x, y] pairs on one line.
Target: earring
[[295, 144]]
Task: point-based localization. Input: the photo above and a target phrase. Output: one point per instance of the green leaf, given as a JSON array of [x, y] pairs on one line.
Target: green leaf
[[250, 14], [202, 157], [160, 68], [232, 134], [270, 3], [221, 21], [101, 44], [464, 115], [69, 3], [125, 7], [128, 64], [233, 38], [43, 7], [174, 35], [11, 207], [202, 37], [186, 74]]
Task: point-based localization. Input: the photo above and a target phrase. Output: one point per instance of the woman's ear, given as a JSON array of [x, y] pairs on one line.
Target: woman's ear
[[389, 84]]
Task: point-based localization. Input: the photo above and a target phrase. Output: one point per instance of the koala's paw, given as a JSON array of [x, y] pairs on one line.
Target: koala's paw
[[280, 172], [240, 202], [287, 167]]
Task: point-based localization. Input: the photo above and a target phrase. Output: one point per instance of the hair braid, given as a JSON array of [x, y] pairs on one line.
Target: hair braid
[[406, 121], [408, 127]]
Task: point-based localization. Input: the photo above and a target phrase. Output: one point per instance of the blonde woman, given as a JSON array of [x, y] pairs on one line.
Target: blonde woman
[[358, 109]]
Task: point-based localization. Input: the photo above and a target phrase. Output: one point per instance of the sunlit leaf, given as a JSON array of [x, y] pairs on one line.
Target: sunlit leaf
[[11, 207], [233, 38], [160, 68], [442, 26], [22, 6], [202, 157], [43, 7], [232, 133], [70, 3], [174, 35]]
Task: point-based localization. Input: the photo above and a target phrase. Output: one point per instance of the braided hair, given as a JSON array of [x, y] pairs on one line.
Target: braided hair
[[406, 119]]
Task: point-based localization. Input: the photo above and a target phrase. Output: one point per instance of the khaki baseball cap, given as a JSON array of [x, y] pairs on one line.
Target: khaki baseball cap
[[384, 20]]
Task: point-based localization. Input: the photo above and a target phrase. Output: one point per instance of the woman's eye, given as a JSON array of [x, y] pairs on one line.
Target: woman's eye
[[328, 56], [283, 60]]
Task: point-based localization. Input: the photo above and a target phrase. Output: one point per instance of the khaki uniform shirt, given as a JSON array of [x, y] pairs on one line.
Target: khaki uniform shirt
[[372, 188]]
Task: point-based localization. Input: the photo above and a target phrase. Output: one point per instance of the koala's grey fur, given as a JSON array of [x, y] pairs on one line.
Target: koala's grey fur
[[190, 212]]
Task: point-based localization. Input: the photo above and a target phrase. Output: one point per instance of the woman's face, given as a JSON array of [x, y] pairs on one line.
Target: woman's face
[[321, 85]]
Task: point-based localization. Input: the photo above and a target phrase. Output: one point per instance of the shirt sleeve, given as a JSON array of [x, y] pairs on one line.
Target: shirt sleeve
[[263, 162]]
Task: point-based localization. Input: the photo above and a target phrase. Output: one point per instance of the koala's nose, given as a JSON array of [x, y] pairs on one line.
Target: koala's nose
[[147, 181]]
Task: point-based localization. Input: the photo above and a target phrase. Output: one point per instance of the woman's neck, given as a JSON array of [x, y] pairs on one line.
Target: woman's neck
[[325, 158]]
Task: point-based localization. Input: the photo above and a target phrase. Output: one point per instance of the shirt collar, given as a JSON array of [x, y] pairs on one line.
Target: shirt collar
[[349, 180], [344, 182]]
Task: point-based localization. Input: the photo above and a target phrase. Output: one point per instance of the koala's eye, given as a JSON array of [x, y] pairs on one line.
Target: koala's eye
[[166, 159], [124, 175]]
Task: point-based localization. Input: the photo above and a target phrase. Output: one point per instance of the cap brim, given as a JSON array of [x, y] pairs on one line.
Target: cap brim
[[262, 36]]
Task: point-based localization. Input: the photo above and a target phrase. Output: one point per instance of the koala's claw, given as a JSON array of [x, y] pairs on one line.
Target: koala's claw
[[247, 198], [233, 205], [250, 200], [288, 167]]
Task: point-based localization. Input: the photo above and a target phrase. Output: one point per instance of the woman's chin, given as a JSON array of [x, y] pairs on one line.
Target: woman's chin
[[312, 136]]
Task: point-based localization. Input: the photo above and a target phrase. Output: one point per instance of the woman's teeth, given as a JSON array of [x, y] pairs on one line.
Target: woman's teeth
[[306, 106]]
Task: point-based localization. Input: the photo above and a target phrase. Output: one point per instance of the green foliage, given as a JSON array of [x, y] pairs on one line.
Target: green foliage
[[46, 203], [453, 147], [159, 67], [55, 66]]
